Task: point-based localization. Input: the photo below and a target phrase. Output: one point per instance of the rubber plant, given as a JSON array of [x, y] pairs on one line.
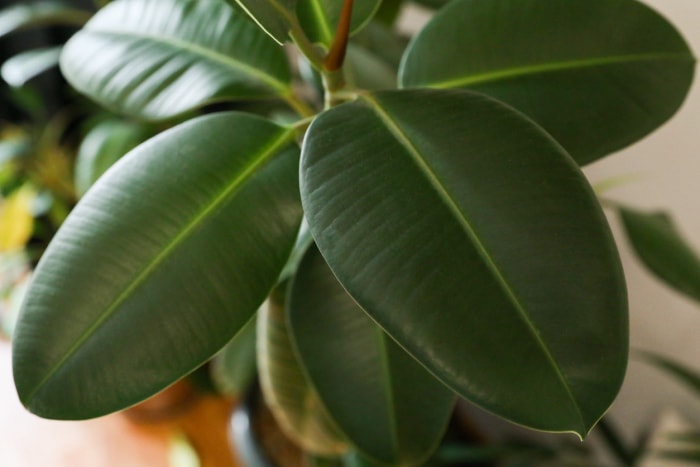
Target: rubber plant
[[417, 213]]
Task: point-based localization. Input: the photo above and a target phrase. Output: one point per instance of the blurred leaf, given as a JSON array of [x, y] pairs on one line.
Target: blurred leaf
[[102, 146], [687, 455], [388, 11], [385, 402], [365, 70], [233, 369], [288, 394], [597, 74], [30, 14], [16, 219], [319, 18], [13, 146], [683, 374], [21, 68], [544, 341], [156, 59], [173, 250], [657, 242]]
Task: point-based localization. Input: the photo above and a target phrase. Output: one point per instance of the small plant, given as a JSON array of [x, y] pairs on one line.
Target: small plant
[[420, 238]]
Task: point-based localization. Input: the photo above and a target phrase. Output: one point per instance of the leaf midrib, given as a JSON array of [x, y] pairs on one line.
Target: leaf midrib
[[280, 87], [266, 153], [463, 220], [549, 67]]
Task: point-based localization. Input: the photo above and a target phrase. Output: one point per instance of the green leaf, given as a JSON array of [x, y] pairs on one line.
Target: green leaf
[[159, 265], [388, 405], [319, 18], [597, 74], [33, 14], [156, 59], [17, 70], [365, 70], [233, 369], [273, 16], [468, 234], [293, 401], [104, 145], [662, 249]]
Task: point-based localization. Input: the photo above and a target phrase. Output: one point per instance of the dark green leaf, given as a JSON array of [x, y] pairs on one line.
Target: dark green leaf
[[104, 144], [19, 69], [159, 265], [273, 16], [663, 250], [596, 74], [387, 404], [288, 394], [32, 14], [468, 234], [319, 18], [159, 58]]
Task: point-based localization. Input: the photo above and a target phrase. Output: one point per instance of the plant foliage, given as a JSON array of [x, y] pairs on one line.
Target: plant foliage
[[460, 248]]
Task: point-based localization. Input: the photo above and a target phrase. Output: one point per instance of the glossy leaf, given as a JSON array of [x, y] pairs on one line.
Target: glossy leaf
[[104, 145], [16, 71], [288, 394], [386, 403], [273, 16], [663, 250], [159, 265], [156, 59], [597, 74], [319, 18], [487, 257], [33, 14]]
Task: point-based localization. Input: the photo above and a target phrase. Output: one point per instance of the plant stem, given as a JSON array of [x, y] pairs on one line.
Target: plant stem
[[336, 55], [299, 106]]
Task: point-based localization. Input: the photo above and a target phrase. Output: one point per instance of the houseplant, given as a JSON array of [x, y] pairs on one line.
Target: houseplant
[[452, 210]]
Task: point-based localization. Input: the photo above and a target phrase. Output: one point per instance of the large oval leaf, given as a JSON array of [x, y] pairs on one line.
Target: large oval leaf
[[596, 74], [663, 250], [474, 240], [387, 404], [319, 18], [273, 16], [159, 58], [159, 265], [293, 401]]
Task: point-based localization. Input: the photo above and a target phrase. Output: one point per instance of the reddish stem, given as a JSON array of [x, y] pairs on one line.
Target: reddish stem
[[336, 55]]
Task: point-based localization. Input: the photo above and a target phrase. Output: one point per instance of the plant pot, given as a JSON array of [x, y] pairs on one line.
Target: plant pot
[[256, 437]]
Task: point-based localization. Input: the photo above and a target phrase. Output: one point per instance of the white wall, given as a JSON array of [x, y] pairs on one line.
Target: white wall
[[667, 166]]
